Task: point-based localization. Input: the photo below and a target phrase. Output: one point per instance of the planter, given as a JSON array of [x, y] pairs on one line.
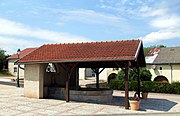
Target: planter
[[134, 104], [144, 95]]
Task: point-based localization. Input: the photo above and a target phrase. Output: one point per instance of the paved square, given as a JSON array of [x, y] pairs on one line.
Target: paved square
[[12, 102]]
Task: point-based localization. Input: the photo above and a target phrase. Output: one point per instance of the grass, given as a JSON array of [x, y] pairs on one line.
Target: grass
[[4, 73]]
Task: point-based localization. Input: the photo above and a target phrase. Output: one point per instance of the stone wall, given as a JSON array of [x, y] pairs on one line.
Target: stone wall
[[81, 95]]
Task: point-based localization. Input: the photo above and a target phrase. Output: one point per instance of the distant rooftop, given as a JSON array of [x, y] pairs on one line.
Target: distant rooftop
[[152, 54], [168, 55], [153, 51], [22, 53]]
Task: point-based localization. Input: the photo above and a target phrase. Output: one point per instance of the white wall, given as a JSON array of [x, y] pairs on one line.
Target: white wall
[[103, 75], [11, 69], [171, 75], [34, 80]]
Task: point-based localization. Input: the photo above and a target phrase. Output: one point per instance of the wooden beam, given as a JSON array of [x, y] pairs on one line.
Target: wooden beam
[[96, 70], [126, 86], [101, 70], [69, 72]]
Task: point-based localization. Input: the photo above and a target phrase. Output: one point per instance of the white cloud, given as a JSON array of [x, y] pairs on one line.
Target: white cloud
[[145, 9], [161, 35], [31, 36], [162, 19], [169, 28], [166, 22], [88, 16], [13, 28], [150, 12], [12, 44]]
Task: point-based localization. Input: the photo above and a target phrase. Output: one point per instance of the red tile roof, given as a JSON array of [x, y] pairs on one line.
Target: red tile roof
[[22, 53], [153, 51], [94, 51]]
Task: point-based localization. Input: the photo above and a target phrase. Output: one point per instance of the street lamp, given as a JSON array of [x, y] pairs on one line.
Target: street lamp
[[18, 53]]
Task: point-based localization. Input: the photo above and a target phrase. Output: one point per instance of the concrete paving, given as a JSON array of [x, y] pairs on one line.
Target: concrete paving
[[13, 102]]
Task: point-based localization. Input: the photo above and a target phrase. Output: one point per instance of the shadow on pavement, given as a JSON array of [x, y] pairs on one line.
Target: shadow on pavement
[[146, 104], [157, 104], [10, 83]]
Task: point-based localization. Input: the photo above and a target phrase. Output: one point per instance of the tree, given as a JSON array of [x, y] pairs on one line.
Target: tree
[[2, 58], [145, 74]]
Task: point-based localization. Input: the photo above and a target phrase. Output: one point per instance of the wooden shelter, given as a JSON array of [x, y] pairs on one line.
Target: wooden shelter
[[96, 55]]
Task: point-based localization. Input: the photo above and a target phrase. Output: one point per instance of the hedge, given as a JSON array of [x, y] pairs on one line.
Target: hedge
[[150, 86]]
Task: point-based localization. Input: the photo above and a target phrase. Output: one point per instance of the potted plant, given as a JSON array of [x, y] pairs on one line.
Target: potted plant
[[145, 88], [134, 102]]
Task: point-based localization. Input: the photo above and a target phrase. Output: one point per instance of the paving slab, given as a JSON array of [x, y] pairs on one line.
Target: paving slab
[[13, 102]]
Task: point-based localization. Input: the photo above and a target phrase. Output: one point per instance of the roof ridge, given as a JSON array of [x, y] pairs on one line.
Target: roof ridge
[[112, 41]]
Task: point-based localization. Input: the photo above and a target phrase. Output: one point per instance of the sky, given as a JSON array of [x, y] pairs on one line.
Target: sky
[[32, 23]]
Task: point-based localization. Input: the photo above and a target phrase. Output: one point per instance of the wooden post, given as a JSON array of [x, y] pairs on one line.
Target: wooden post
[[69, 72], [67, 90], [138, 79], [77, 78], [96, 70], [126, 86], [97, 79]]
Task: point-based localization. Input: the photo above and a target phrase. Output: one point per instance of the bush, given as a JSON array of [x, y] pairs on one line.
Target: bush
[[120, 85], [116, 84], [133, 85], [147, 86], [160, 87], [176, 87], [145, 74]]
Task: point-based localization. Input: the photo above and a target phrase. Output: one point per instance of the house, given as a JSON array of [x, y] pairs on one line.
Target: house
[[164, 64], [89, 74], [66, 59], [12, 67]]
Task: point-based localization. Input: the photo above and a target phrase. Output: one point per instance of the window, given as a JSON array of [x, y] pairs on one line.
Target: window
[[15, 69], [89, 72]]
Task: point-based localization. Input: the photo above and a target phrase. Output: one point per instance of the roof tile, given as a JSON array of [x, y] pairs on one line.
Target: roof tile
[[22, 53], [84, 51]]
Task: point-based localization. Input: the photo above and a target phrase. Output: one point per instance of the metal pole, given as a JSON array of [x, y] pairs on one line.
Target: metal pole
[[17, 84]]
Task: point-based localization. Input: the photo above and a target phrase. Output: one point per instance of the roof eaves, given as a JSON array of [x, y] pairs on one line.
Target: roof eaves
[[138, 49], [166, 63], [65, 61]]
